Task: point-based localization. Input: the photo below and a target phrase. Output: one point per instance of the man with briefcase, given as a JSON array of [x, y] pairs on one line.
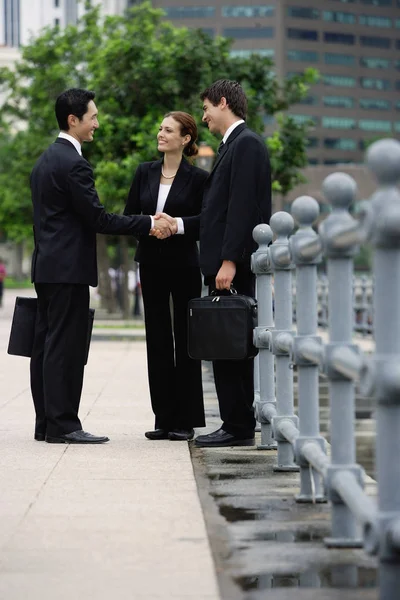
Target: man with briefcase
[[237, 197]]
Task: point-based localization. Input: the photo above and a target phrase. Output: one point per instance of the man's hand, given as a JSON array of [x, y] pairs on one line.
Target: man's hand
[[164, 226], [225, 275]]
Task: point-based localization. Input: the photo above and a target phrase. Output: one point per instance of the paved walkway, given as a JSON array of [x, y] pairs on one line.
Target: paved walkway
[[120, 520]]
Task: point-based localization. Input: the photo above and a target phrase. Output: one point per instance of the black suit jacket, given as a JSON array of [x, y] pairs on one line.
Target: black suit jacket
[[67, 214], [184, 200], [237, 197]]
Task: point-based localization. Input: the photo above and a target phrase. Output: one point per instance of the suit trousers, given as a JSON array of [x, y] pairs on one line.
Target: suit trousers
[[58, 356], [175, 381], [234, 379]]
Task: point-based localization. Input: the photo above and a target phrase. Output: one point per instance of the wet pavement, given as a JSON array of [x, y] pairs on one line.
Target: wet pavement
[[265, 545]]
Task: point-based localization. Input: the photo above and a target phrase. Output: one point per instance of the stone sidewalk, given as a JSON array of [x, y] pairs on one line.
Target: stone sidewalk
[[120, 520]]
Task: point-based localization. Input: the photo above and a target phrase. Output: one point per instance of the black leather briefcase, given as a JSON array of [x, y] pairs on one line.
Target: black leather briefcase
[[22, 332], [221, 327]]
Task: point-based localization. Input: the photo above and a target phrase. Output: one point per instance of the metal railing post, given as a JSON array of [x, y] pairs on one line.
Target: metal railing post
[[340, 237], [383, 159], [306, 254], [265, 404], [282, 339]]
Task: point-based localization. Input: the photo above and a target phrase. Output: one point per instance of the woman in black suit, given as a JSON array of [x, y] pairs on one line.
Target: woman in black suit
[[170, 276]]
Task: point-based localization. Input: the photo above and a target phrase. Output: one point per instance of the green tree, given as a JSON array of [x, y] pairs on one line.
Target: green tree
[[140, 67]]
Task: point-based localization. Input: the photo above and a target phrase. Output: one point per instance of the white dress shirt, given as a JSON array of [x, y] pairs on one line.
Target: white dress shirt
[[163, 192]]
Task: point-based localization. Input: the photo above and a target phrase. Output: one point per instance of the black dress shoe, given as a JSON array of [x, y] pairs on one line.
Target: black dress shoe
[[40, 437], [221, 438], [181, 435], [77, 437], [157, 434]]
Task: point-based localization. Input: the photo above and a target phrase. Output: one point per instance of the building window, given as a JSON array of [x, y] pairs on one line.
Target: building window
[[310, 100], [340, 144], [248, 11], [377, 2], [268, 52], [338, 123], [241, 33], [396, 126], [302, 55], [56, 22], [398, 85], [338, 101], [375, 41], [374, 104], [312, 142], [372, 83], [397, 23], [302, 34], [302, 13], [335, 58], [398, 44], [374, 125], [190, 12], [56, 3], [339, 38], [397, 65], [208, 31], [304, 119], [338, 17], [372, 21], [338, 161], [313, 161], [375, 63], [339, 80], [346, 1]]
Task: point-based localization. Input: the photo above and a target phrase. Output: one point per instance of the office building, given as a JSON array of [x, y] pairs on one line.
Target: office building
[[354, 44]]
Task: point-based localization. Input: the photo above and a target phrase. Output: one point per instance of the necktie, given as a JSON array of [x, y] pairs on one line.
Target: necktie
[[220, 148]]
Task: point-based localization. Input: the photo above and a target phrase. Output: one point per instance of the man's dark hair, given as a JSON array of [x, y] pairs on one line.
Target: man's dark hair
[[72, 102], [232, 91]]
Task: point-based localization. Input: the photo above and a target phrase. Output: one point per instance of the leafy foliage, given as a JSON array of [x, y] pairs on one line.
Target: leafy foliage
[[141, 67]]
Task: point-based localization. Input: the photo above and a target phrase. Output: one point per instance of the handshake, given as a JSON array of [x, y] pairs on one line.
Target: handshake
[[164, 226]]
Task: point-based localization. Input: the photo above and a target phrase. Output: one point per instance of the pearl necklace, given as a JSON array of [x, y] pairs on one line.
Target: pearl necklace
[[169, 176]]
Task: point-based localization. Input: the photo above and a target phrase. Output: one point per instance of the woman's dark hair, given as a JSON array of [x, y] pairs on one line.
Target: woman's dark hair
[[232, 91], [72, 102], [188, 127]]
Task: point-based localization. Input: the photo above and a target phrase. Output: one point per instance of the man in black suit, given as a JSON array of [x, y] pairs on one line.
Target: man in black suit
[[237, 197], [67, 215]]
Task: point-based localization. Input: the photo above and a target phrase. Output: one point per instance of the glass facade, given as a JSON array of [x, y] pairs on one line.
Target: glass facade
[[373, 21], [338, 16], [338, 101], [336, 58], [375, 104], [302, 34], [338, 123], [302, 13], [188, 12], [241, 33], [268, 52], [374, 63], [375, 41], [339, 38], [372, 83], [377, 2], [248, 11], [339, 80], [374, 125], [302, 55], [340, 144], [303, 119]]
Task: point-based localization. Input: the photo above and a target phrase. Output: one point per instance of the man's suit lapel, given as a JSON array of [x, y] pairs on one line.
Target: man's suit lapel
[[225, 148]]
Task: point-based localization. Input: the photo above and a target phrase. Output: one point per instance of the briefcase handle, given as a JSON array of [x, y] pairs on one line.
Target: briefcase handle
[[232, 291]]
